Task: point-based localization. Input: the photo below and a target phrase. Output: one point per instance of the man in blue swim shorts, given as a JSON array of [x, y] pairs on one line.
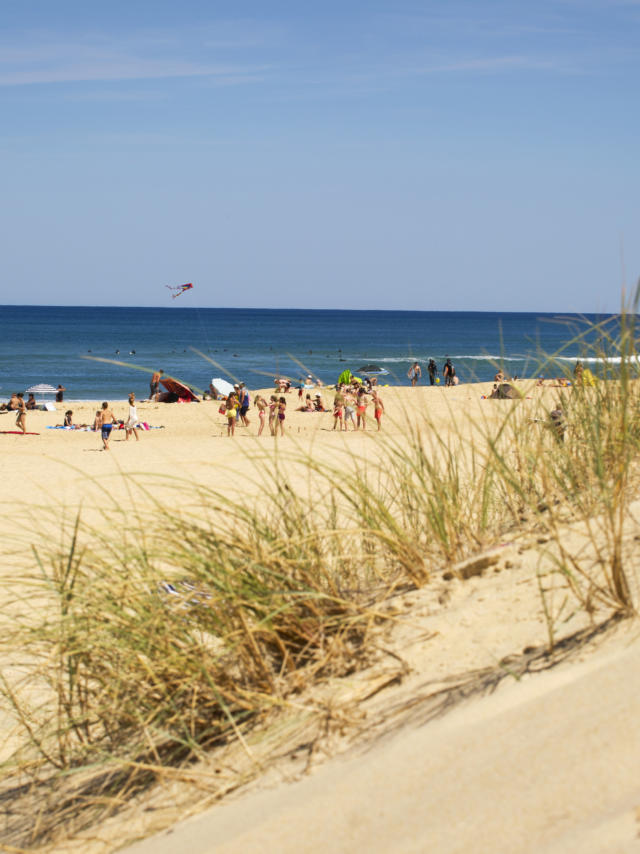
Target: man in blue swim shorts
[[106, 422]]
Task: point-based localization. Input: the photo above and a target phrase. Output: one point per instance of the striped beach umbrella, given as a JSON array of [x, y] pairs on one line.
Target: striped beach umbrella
[[41, 388]]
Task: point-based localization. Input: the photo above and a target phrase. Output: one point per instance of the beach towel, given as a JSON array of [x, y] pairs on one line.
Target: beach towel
[[18, 433]]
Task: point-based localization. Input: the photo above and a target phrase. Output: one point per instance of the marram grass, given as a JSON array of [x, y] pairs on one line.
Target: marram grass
[[157, 637]]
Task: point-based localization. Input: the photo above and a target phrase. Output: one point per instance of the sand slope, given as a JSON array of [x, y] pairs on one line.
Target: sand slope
[[548, 764]]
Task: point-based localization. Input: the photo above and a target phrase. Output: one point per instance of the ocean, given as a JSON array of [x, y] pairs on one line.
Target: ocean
[[54, 344]]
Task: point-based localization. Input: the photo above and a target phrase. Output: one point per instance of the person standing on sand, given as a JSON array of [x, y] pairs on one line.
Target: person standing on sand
[[273, 414], [414, 373], [21, 417], [378, 408], [432, 370], [154, 385], [338, 416], [361, 409], [132, 422], [106, 420], [282, 408], [231, 412], [262, 405], [60, 393], [349, 410], [244, 400]]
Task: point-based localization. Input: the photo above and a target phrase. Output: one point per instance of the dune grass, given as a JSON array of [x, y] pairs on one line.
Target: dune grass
[[159, 636]]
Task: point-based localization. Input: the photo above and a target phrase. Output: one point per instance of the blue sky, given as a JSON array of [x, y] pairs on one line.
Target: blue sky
[[428, 155]]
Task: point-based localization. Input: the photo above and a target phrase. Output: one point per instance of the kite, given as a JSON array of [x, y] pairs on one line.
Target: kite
[[180, 289]]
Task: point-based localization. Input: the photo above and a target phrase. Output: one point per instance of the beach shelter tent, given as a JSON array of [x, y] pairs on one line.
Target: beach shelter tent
[[345, 377], [222, 386], [41, 388], [179, 390]]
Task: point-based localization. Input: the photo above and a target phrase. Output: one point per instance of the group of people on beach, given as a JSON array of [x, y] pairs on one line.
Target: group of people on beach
[[350, 405], [448, 373]]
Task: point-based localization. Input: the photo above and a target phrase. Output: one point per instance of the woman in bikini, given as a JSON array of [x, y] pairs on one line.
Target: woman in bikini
[[273, 414], [282, 406], [262, 405]]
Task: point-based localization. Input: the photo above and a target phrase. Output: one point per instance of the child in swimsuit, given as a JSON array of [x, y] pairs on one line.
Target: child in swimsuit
[[106, 420], [282, 405], [231, 411], [338, 403]]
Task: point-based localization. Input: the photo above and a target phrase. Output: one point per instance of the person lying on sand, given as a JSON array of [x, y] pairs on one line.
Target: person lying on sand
[[307, 406]]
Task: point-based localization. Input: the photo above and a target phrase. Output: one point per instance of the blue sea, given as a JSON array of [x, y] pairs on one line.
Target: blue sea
[[49, 344]]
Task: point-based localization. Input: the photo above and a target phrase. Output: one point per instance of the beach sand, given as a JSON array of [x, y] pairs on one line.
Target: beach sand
[[546, 763]]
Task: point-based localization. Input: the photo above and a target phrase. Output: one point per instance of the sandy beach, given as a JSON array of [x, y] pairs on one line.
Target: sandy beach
[[462, 734]]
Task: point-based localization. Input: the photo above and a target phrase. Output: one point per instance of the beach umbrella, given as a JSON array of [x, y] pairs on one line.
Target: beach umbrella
[[372, 369], [41, 388], [222, 386]]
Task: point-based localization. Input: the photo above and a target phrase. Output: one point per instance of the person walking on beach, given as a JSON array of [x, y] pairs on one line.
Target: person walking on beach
[[432, 370], [21, 417], [132, 421], [378, 408], [60, 393], [414, 373], [106, 420], [154, 385], [449, 373]]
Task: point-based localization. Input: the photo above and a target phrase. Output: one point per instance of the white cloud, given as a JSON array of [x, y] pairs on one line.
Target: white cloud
[[90, 58]]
